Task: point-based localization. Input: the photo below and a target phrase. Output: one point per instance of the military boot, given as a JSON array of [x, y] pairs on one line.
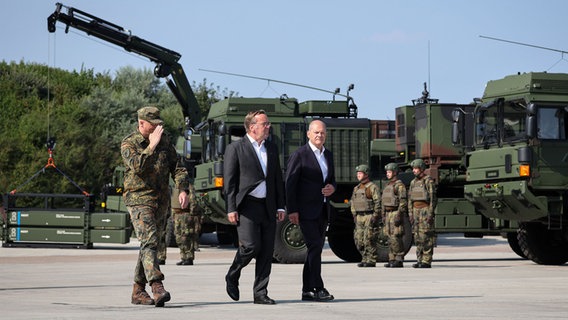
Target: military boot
[[161, 296], [140, 296]]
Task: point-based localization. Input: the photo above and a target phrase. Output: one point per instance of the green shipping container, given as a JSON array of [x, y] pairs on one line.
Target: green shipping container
[[117, 220], [110, 236], [46, 218], [47, 235]]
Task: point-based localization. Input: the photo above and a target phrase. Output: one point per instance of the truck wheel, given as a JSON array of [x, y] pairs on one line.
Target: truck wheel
[[543, 246], [289, 246], [512, 239], [383, 244], [343, 245]]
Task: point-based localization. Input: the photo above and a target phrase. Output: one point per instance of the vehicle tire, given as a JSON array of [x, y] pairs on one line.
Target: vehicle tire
[[340, 235], [343, 246], [383, 243], [289, 246], [383, 246], [543, 246], [513, 240]]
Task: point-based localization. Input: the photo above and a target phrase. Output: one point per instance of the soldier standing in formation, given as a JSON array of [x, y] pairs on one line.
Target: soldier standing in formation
[[422, 204], [394, 209], [185, 228], [365, 207], [150, 159]]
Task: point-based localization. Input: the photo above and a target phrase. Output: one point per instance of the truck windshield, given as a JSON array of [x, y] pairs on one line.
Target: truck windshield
[[552, 123], [501, 123]]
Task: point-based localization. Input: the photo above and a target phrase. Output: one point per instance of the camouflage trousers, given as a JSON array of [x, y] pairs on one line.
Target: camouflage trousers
[[148, 224], [366, 237], [186, 229], [424, 235], [394, 229], [162, 245]]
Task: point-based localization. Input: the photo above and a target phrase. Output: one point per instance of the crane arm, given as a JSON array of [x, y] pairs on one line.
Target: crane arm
[[167, 65]]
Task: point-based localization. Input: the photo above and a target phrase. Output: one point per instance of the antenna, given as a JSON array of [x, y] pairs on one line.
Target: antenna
[[524, 44], [335, 92], [429, 84]]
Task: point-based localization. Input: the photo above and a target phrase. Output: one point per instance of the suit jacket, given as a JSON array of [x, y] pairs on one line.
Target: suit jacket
[[243, 172], [304, 181]]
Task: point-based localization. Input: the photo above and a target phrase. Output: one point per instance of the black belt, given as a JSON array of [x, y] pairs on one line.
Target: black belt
[[255, 199], [362, 213], [390, 209]]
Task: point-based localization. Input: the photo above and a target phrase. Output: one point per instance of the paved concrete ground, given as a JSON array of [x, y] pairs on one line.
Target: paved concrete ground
[[471, 279]]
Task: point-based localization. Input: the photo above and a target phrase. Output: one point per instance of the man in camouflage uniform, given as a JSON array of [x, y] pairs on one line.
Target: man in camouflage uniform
[[365, 207], [150, 160], [422, 204], [394, 209], [185, 227]]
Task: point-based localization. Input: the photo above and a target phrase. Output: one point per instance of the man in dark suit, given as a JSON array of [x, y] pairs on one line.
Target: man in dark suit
[[310, 180], [254, 190]]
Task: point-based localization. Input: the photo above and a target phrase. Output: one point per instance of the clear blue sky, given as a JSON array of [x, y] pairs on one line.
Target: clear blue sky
[[388, 49]]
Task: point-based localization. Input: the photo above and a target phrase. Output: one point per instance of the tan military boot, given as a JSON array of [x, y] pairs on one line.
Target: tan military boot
[[140, 296], [161, 296]]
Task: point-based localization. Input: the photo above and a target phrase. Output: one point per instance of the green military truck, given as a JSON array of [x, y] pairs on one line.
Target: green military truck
[[500, 162]]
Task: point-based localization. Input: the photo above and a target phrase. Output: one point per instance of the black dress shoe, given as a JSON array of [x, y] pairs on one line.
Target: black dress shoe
[[389, 264], [361, 264], [308, 295], [369, 265], [322, 295], [161, 262], [416, 265], [187, 262], [263, 300], [232, 288], [424, 265]]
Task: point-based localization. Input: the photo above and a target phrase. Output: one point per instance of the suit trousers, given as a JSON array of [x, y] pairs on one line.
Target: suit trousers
[[256, 232], [314, 237]]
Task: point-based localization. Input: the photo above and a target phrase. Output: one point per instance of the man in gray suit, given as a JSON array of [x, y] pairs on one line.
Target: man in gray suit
[[254, 190]]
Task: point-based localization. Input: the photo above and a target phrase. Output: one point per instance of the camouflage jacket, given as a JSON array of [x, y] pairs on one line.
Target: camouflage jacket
[[147, 173]]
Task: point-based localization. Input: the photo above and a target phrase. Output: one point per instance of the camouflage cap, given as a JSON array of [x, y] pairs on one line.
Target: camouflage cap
[[150, 114]]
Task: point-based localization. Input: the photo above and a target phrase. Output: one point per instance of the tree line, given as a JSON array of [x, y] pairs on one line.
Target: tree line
[[86, 113]]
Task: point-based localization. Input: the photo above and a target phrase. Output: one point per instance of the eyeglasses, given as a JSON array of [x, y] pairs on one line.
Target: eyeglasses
[[264, 124]]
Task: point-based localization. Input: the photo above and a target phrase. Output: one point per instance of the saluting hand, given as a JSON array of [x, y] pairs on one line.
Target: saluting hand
[[156, 136]]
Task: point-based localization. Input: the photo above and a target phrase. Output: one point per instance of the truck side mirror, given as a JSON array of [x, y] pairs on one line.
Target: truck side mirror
[[222, 130], [456, 115], [187, 144], [532, 110]]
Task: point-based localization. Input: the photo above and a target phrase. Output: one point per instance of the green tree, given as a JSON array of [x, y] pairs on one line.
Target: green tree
[[87, 113]]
